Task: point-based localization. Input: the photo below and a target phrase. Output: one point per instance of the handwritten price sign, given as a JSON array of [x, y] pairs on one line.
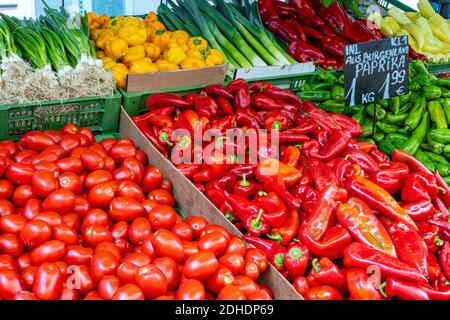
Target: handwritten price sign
[[375, 70]]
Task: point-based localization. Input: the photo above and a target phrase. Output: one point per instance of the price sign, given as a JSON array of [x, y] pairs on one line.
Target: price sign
[[375, 70]]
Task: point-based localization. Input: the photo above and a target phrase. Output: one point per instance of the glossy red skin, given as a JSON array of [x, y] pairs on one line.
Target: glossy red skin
[[162, 196], [61, 201], [4, 153], [152, 179], [210, 228], [24, 154], [71, 181], [8, 262], [70, 164], [6, 189], [198, 224], [126, 272], [45, 156], [101, 195], [68, 294], [97, 177], [11, 146], [78, 255], [35, 233], [170, 270], [124, 208], [103, 263], [183, 231], [151, 280], [258, 257], [120, 151], [92, 160], [95, 217], [19, 173], [120, 230], [93, 235], [32, 208], [88, 133], [247, 285], [58, 150], [65, 234], [162, 217], [10, 284], [71, 220], [259, 295], [51, 217], [191, 289], [22, 194], [49, 251], [82, 206], [231, 292], [167, 244], [10, 244], [108, 286], [2, 165], [136, 167], [215, 241], [251, 270], [128, 292], [123, 174], [38, 141], [130, 189], [301, 285], [82, 276], [49, 167], [28, 276], [47, 283], [12, 224], [323, 293], [108, 143], [6, 208], [43, 183], [25, 295], [221, 278], [166, 185], [201, 265], [110, 247], [110, 164], [139, 230], [233, 261]]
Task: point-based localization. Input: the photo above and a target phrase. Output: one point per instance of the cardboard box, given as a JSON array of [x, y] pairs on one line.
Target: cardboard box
[[163, 80], [191, 201]]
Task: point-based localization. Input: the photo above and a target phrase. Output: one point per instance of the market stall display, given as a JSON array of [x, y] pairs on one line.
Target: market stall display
[[289, 207], [81, 219], [49, 58]]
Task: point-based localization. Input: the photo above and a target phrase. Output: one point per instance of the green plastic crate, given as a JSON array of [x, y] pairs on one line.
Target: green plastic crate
[[101, 137], [387, 3], [100, 114]]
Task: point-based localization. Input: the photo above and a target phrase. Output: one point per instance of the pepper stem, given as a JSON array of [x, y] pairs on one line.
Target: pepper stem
[[165, 138], [276, 125], [279, 259], [438, 242], [244, 182], [275, 237], [256, 223], [295, 253], [229, 216], [315, 265], [381, 289], [262, 193]]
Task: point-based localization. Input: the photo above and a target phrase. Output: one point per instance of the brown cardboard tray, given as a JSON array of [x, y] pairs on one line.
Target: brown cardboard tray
[[191, 201], [164, 80]]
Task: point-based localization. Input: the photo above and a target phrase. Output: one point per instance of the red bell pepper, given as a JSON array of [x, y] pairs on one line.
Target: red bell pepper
[[335, 144], [288, 230], [275, 211], [429, 233], [296, 259], [359, 285], [332, 244], [364, 226], [410, 246], [323, 293], [325, 272], [245, 188], [378, 199], [307, 196], [275, 252], [256, 224], [363, 256], [413, 190], [391, 178], [420, 210]]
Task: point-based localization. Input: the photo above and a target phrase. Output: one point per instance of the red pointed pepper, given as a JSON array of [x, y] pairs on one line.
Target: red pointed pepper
[[150, 135], [359, 285], [277, 185], [420, 210], [391, 178], [242, 99], [275, 252], [245, 188], [335, 144], [210, 172], [225, 105], [378, 199], [366, 162], [361, 255], [413, 190], [218, 90], [327, 273], [414, 164], [322, 174], [444, 193], [410, 246], [256, 224], [298, 29], [296, 259], [332, 244], [429, 233], [282, 29], [166, 111], [307, 196], [444, 259], [288, 230], [160, 100], [307, 125], [364, 226], [407, 290], [242, 206], [291, 156], [275, 211]]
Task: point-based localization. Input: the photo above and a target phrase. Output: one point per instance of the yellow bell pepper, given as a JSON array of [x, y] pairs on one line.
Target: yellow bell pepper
[[194, 53], [116, 48], [161, 38], [116, 23], [192, 63], [142, 66], [93, 34], [181, 36], [173, 43], [103, 37], [134, 53], [133, 35], [151, 17], [197, 43], [157, 25], [93, 21], [213, 58], [104, 19], [175, 55], [120, 72], [164, 65], [108, 63], [152, 51], [100, 54]]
